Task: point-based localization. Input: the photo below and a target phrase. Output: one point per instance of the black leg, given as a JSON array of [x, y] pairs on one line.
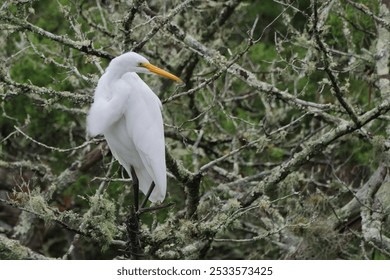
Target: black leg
[[135, 187], [151, 188]]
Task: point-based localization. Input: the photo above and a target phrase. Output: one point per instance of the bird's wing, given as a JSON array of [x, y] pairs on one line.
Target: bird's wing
[[153, 158], [145, 126], [109, 105]]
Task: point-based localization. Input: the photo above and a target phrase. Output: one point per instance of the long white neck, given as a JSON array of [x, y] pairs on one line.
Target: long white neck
[[114, 72]]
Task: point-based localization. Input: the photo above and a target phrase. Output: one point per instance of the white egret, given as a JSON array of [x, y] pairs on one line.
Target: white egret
[[128, 113]]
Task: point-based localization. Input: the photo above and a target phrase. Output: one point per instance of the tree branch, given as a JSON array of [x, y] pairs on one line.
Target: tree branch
[[84, 46], [13, 250], [313, 148]]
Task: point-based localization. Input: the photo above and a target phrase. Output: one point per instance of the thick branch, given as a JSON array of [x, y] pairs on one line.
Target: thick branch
[[85, 46], [13, 250], [351, 210], [80, 98]]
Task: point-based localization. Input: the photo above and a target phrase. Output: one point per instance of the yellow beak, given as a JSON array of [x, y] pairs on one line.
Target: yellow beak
[[159, 71]]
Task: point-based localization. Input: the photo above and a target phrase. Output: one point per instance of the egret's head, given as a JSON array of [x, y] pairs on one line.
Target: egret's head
[[133, 62]]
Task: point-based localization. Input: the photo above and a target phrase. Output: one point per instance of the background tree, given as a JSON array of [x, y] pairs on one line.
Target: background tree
[[277, 144]]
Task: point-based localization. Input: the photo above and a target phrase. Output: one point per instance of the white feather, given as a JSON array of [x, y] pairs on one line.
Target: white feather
[[128, 113]]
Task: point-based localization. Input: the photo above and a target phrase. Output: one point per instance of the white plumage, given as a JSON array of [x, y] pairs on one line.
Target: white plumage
[[128, 113]]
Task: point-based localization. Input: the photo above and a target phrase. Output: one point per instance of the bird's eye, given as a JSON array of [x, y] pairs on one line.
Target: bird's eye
[[140, 64]]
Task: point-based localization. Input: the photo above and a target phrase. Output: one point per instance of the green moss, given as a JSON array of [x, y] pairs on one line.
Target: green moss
[[101, 220], [13, 250]]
